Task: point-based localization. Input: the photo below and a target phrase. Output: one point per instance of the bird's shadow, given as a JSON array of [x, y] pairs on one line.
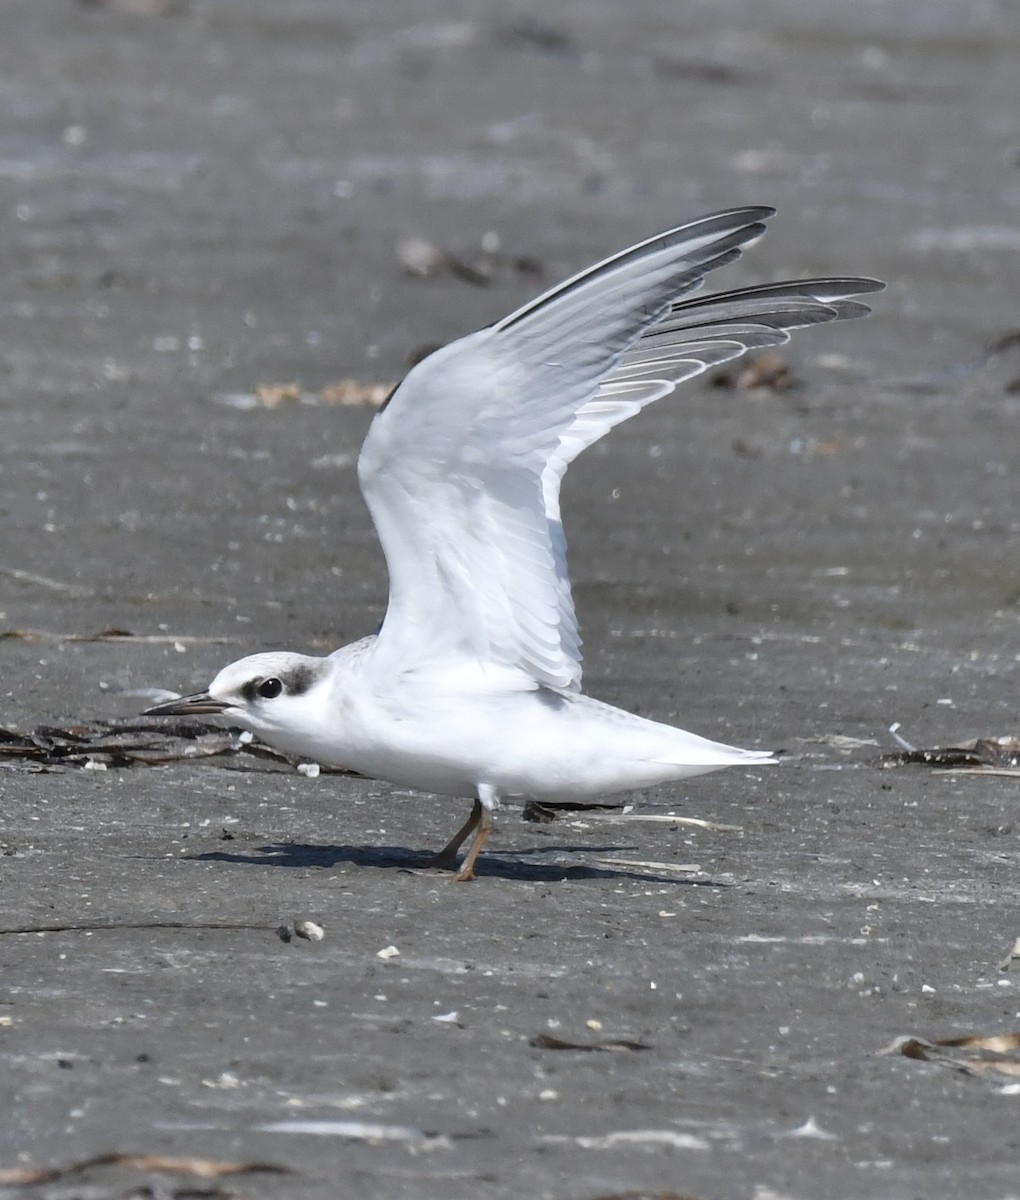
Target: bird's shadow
[[512, 866]]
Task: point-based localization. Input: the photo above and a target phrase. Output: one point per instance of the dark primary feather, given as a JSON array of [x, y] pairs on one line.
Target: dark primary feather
[[718, 241]]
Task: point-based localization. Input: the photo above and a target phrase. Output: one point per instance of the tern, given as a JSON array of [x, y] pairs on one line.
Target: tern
[[471, 686]]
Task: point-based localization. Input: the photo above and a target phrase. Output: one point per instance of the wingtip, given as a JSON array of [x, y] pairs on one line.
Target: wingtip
[[855, 285], [750, 212]]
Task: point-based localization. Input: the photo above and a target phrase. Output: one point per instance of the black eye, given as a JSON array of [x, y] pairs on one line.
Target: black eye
[[269, 689]]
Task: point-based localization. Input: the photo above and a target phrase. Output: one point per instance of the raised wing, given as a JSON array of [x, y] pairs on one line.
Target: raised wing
[[461, 470]]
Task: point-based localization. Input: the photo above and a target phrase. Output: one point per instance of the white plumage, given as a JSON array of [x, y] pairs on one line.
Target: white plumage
[[472, 684]]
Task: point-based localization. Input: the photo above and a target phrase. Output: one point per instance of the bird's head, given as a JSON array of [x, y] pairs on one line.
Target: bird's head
[[277, 696]]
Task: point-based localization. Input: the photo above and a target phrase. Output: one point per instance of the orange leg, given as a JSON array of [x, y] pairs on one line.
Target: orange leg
[[446, 859], [467, 870]]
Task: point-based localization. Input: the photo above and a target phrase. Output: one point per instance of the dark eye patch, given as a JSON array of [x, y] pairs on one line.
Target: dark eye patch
[[295, 683], [300, 680]]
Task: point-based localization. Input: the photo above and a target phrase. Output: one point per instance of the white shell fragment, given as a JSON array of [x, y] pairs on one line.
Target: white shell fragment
[[362, 1131], [309, 930]]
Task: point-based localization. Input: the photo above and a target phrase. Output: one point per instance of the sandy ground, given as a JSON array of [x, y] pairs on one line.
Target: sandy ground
[[208, 199]]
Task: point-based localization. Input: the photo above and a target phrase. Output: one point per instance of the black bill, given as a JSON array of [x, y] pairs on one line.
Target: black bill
[[201, 704]]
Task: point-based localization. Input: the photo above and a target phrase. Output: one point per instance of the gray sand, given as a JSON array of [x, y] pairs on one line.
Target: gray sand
[[209, 199]]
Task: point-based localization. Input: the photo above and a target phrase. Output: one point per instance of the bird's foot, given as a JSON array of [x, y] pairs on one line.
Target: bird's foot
[[448, 862]]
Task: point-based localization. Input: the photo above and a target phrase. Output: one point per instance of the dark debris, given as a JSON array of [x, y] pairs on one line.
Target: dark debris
[[992, 1055], [769, 371], [1002, 753], [201, 1168], [548, 810], [137, 741], [480, 267], [545, 1041], [532, 33]]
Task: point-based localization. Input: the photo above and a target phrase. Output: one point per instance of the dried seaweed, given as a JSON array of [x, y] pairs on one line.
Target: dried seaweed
[[766, 371], [91, 927], [997, 1053], [612, 814], [353, 393], [546, 1042], [999, 754], [138, 741], [348, 393], [113, 635], [201, 1168], [425, 260]]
